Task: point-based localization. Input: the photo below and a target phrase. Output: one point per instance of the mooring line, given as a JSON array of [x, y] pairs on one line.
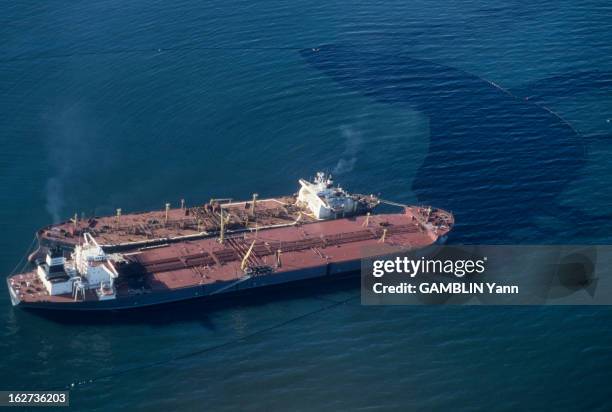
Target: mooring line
[[110, 52], [209, 348], [23, 259]]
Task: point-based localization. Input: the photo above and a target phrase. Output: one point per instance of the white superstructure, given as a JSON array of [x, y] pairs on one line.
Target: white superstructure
[[89, 268], [324, 200], [92, 264]]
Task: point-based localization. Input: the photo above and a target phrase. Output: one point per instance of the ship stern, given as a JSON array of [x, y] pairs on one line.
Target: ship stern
[[15, 301]]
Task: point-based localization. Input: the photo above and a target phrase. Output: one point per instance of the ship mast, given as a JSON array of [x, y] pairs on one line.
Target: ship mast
[[245, 260], [222, 228]]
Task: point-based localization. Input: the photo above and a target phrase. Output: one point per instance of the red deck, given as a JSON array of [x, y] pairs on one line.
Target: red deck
[[204, 261], [176, 223]]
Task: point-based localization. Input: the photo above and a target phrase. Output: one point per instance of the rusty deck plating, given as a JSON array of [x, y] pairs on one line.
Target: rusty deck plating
[[175, 224], [286, 249]]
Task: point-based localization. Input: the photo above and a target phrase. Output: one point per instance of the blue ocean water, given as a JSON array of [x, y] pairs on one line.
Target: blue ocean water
[[499, 112]]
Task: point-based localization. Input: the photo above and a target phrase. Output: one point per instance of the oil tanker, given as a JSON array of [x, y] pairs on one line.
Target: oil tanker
[[322, 232], [175, 224]]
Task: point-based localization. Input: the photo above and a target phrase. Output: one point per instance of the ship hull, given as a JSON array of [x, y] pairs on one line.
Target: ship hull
[[214, 292], [210, 269]]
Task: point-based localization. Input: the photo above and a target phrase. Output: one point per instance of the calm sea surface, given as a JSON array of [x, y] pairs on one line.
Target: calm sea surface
[[498, 111]]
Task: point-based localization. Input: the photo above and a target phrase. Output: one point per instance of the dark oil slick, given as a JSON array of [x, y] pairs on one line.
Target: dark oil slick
[[487, 144]]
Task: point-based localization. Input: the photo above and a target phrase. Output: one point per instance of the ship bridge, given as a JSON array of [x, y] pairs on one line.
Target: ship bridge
[[324, 200]]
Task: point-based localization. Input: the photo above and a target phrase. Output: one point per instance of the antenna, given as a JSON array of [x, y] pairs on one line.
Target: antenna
[[222, 229], [255, 195], [118, 217]]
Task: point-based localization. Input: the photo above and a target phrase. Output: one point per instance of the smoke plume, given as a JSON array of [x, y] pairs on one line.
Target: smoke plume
[[353, 141], [67, 143], [54, 198]]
